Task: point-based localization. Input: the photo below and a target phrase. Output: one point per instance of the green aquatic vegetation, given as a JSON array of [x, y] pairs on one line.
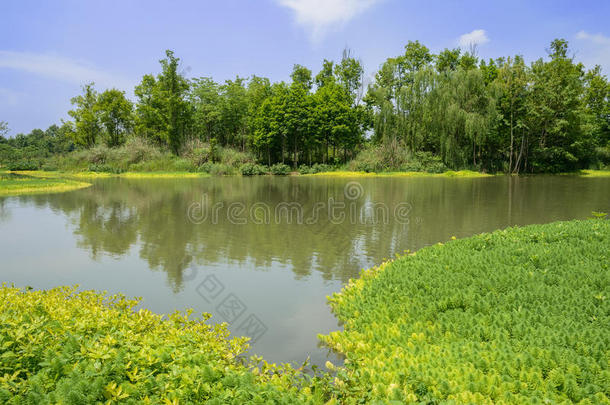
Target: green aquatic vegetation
[[15, 184], [449, 173], [69, 347], [516, 316]]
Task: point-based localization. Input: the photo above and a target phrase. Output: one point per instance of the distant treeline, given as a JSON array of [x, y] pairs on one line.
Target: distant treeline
[[421, 111]]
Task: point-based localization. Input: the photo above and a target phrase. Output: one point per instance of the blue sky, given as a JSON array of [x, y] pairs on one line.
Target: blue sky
[[48, 49]]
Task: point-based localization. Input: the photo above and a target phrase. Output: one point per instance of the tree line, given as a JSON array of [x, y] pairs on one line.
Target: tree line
[[497, 115]]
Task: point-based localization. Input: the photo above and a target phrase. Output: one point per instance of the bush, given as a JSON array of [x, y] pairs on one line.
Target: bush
[[101, 168], [220, 169], [23, 165], [183, 165], [305, 170], [320, 167], [279, 169], [252, 169], [48, 167], [517, 316], [64, 346], [234, 158]]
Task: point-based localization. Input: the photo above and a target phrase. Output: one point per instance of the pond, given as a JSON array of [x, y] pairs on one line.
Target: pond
[[261, 253]]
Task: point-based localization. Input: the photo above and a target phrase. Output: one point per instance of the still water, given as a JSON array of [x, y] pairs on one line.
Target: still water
[[261, 253]]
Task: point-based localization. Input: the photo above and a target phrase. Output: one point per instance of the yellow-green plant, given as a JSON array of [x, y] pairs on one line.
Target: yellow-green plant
[[517, 316], [70, 347]]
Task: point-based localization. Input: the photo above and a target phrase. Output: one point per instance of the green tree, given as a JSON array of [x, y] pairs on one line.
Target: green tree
[[3, 130], [597, 105], [116, 116], [301, 75], [205, 98], [554, 112], [512, 81], [163, 111], [86, 125]]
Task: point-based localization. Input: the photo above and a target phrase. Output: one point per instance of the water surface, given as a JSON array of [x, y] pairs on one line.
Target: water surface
[[264, 252]]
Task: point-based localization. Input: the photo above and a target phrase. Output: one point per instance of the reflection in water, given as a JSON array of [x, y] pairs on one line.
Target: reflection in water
[[116, 218]]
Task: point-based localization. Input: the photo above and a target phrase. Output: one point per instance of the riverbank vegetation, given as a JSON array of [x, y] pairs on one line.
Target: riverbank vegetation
[[64, 346], [422, 112], [14, 184], [516, 316]]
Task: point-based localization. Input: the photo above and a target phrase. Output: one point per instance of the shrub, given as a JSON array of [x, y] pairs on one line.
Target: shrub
[[64, 346], [48, 167], [220, 169], [251, 169], [137, 149], [305, 170], [23, 165], [234, 158], [321, 167], [279, 169], [101, 168], [183, 165], [517, 316]]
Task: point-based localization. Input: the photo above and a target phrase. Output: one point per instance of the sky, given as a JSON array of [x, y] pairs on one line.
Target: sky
[[49, 49]]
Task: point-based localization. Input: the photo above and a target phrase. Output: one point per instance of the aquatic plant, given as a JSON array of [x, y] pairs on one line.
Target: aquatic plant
[[70, 347], [516, 316]]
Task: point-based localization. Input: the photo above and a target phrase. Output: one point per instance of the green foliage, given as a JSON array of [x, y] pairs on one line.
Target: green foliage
[[116, 116], [103, 168], [64, 346], [17, 184], [517, 316], [23, 165], [163, 113], [499, 115], [279, 169], [86, 125], [252, 169]]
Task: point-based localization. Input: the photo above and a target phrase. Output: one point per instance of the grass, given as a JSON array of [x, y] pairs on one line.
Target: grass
[[516, 316], [94, 175], [595, 173], [460, 173], [16, 184]]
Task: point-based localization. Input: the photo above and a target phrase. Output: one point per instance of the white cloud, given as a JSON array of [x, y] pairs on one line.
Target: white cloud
[[319, 16], [61, 68], [474, 38], [593, 49]]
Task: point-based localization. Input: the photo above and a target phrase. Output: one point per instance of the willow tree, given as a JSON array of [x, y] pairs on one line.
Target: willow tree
[[464, 114]]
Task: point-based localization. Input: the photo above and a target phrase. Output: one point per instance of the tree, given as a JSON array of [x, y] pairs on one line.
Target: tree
[[205, 98], [326, 75], [163, 112], [115, 113], [512, 81], [234, 111], [301, 75], [3, 130], [86, 118], [555, 113], [448, 60], [597, 105], [349, 75]]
